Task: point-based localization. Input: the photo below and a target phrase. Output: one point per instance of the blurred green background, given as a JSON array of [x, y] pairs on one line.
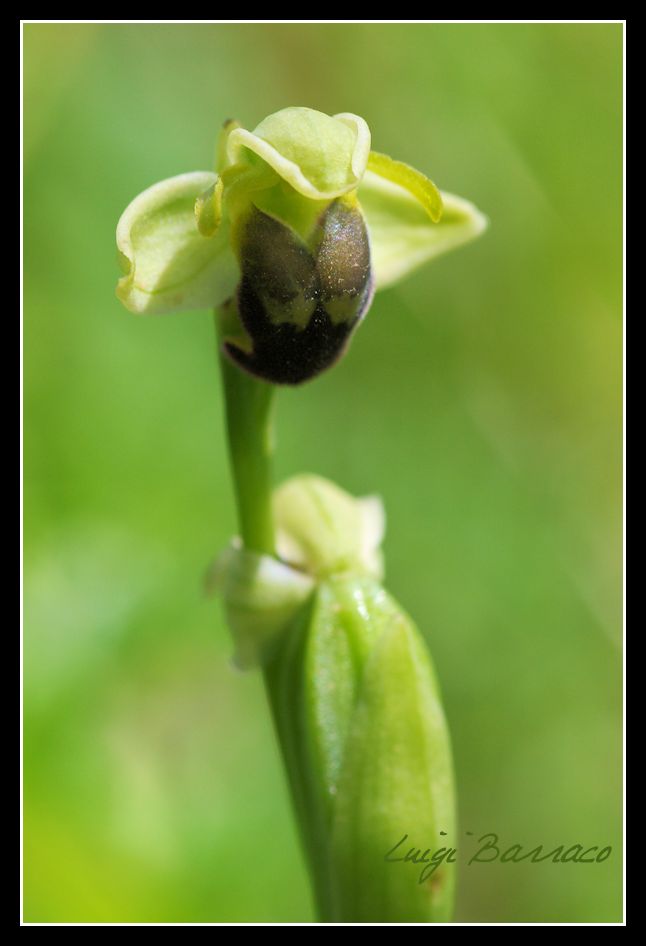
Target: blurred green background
[[481, 399]]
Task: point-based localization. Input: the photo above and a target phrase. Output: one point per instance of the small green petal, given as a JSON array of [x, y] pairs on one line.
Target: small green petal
[[411, 180], [169, 265], [402, 235], [320, 156], [208, 209]]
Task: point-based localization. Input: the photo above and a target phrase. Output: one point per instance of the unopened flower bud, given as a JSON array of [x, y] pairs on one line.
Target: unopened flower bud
[[356, 705]]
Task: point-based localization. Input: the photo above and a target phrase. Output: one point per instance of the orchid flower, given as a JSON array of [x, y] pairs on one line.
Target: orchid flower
[[301, 222]]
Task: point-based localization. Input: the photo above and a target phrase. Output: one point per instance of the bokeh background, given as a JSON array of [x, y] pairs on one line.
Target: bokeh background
[[481, 399]]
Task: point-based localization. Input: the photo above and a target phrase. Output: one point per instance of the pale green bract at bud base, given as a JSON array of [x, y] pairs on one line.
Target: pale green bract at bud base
[[301, 222], [356, 704]]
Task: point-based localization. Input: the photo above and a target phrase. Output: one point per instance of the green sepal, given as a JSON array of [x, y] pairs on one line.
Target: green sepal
[[168, 264], [402, 234]]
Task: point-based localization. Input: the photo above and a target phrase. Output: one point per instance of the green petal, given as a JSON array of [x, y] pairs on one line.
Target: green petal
[[168, 264], [402, 234], [320, 156], [416, 183]]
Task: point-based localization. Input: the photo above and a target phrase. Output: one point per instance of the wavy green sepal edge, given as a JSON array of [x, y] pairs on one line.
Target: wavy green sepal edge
[[402, 235], [168, 265]]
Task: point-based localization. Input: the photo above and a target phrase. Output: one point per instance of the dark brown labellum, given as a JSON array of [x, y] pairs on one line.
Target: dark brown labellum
[[300, 305]]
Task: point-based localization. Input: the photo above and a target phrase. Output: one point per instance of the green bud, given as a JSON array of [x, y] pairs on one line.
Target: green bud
[[322, 530], [358, 713], [366, 744]]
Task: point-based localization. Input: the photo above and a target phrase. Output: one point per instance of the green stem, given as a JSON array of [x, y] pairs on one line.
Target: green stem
[[248, 408], [249, 415]]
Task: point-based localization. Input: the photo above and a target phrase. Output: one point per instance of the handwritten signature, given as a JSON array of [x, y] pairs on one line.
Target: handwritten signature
[[490, 851]]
